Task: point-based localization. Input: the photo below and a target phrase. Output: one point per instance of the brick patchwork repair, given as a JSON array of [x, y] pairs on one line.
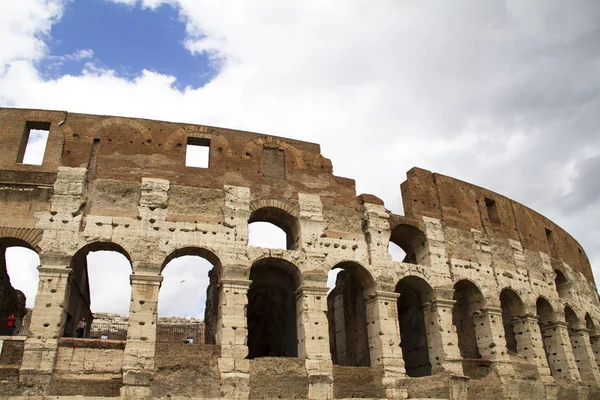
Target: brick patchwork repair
[[493, 300]]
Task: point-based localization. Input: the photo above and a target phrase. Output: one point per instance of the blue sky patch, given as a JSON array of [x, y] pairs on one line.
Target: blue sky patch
[[124, 39]]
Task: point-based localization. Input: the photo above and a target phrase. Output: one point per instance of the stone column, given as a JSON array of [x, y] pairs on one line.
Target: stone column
[[584, 356], [138, 359], [232, 333], [444, 354], [530, 344], [313, 340], [384, 339], [47, 324], [560, 353], [595, 343], [490, 339]]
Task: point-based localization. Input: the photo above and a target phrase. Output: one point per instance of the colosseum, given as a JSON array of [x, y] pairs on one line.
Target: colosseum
[[492, 300]]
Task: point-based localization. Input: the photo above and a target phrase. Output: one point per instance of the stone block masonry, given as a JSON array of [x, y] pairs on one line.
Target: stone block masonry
[[492, 299]]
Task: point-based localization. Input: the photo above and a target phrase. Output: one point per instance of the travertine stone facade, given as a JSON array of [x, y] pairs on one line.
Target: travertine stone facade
[[492, 299]]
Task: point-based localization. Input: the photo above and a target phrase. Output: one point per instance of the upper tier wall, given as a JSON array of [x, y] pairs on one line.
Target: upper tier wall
[[464, 206], [129, 148]]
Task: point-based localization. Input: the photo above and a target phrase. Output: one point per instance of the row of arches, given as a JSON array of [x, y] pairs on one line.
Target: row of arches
[[272, 310]]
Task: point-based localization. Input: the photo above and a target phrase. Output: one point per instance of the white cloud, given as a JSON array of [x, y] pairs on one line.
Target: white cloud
[[502, 94], [183, 289], [110, 290]]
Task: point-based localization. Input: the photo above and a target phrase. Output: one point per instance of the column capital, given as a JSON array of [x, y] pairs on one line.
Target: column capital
[[242, 284], [555, 324], [526, 318], [438, 303], [311, 290], [581, 331], [383, 295], [145, 279], [53, 269], [488, 311]]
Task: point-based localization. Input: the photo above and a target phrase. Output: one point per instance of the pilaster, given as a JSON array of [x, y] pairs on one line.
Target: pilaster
[[138, 358], [384, 339], [530, 343], [232, 333], [584, 356], [444, 353], [490, 339], [47, 324], [313, 340], [560, 354]]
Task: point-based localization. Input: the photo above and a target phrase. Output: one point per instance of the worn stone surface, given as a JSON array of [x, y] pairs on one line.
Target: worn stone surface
[[488, 288]]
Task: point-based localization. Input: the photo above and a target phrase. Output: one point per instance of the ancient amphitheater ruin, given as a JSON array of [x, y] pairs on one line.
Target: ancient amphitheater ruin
[[492, 301]]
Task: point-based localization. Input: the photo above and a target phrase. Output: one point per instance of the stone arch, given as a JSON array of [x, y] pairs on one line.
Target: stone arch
[[589, 324], [271, 312], [546, 317], [562, 284], [414, 293], [280, 214], [134, 124], [347, 315], [469, 299], [211, 311], [512, 307], [25, 237], [274, 143], [412, 240], [571, 318], [12, 300], [78, 303]]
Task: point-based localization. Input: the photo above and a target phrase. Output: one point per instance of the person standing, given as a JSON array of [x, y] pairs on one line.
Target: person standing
[[81, 328], [11, 324]]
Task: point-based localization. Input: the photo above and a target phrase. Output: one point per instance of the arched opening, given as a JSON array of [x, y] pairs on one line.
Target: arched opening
[[594, 337], [188, 297], [99, 292], [414, 293], [347, 316], [18, 285], [267, 226], [562, 285], [545, 318], [412, 241], [396, 252], [271, 311], [512, 307], [468, 299]]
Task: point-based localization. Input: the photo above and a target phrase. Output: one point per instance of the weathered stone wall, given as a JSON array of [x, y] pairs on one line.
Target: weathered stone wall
[[478, 266]]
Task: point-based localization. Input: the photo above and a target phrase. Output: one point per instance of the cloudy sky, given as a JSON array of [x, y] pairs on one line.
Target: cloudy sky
[[503, 94]]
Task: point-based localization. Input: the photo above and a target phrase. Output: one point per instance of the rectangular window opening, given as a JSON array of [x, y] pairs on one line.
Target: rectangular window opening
[[492, 210], [33, 143], [197, 153], [550, 240]]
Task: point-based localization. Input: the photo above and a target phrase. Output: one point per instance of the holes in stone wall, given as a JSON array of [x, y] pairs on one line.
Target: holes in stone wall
[[197, 152], [33, 143]]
